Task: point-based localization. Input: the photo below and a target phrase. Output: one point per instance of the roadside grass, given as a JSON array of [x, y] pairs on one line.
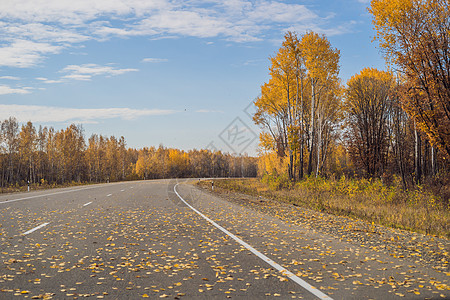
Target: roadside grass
[[36, 186], [370, 200]]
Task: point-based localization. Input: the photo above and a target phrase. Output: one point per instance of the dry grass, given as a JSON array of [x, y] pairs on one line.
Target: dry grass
[[415, 210], [35, 187]]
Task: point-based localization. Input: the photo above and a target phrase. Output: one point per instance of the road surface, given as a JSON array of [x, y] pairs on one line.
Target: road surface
[[167, 239]]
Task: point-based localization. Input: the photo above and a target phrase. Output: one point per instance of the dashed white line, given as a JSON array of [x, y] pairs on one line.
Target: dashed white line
[[35, 228], [122, 190], [86, 204], [313, 290], [109, 195]]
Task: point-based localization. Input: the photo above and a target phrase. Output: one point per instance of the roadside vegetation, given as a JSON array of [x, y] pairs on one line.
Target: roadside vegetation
[[38, 186], [47, 158], [377, 148], [418, 210]]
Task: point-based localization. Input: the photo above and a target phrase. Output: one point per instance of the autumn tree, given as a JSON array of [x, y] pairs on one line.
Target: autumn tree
[[368, 105], [50, 156], [10, 132], [399, 123], [415, 37], [303, 76], [284, 72], [27, 151], [322, 64]]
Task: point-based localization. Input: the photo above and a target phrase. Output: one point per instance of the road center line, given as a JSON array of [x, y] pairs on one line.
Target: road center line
[[313, 290], [35, 228], [86, 204], [109, 195]]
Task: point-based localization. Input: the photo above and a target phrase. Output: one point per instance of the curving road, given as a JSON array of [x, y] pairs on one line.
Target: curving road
[[167, 239]]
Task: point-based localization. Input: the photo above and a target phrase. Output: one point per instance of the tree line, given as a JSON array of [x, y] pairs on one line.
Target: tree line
[[385, 124], [49, 156]]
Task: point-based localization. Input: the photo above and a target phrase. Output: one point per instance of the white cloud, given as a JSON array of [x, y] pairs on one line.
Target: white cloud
[[10, 77], [24, 53], [69, 12], [281, 13], [46, 80], [34, 113], [6, 90], [79, 77], [87, 71], [154, 60], [37, 28], [42, 32], [319, 28]]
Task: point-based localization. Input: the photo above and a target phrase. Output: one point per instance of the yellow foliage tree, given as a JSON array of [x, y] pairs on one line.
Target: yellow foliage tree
[[415, 36], [368, 105]]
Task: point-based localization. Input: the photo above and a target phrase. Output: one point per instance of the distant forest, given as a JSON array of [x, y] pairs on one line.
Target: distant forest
[[47, 156]]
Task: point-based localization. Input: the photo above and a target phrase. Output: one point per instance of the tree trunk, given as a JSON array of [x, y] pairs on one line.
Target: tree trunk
[[319, 144], [433, 161], [313, 127], [301, 134], [417, 156]]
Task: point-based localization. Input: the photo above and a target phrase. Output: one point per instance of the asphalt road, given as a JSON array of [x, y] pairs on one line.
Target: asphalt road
[[166, 239]]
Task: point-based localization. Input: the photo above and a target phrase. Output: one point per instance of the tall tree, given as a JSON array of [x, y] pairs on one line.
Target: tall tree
[[415, 35], [27, 147], [368, 105], [322, 64], [283, 75], [10, 129]]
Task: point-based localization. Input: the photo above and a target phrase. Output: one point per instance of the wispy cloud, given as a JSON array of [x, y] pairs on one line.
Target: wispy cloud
[[10, 77], [87, 71], [208, 111], [255, 62], [46, 80], [50, 114], [24, 53], [31, 31], [6, 90], [346, 27], [154, 60]]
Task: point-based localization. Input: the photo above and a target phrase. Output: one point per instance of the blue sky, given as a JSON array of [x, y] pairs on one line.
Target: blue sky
[[159, 71]]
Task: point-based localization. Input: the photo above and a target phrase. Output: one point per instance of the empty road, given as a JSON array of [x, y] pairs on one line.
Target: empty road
[[167, 239]]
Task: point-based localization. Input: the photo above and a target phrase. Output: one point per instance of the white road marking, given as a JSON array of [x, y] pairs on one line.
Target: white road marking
[[38, 196], [313, 290], [109, 195], [35, 228], [86, 204], [122, 190]]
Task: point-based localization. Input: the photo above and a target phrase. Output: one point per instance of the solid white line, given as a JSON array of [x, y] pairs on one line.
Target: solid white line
[[313, 290], [109, 195], [37, 196], [86, 204], [35, 228]]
